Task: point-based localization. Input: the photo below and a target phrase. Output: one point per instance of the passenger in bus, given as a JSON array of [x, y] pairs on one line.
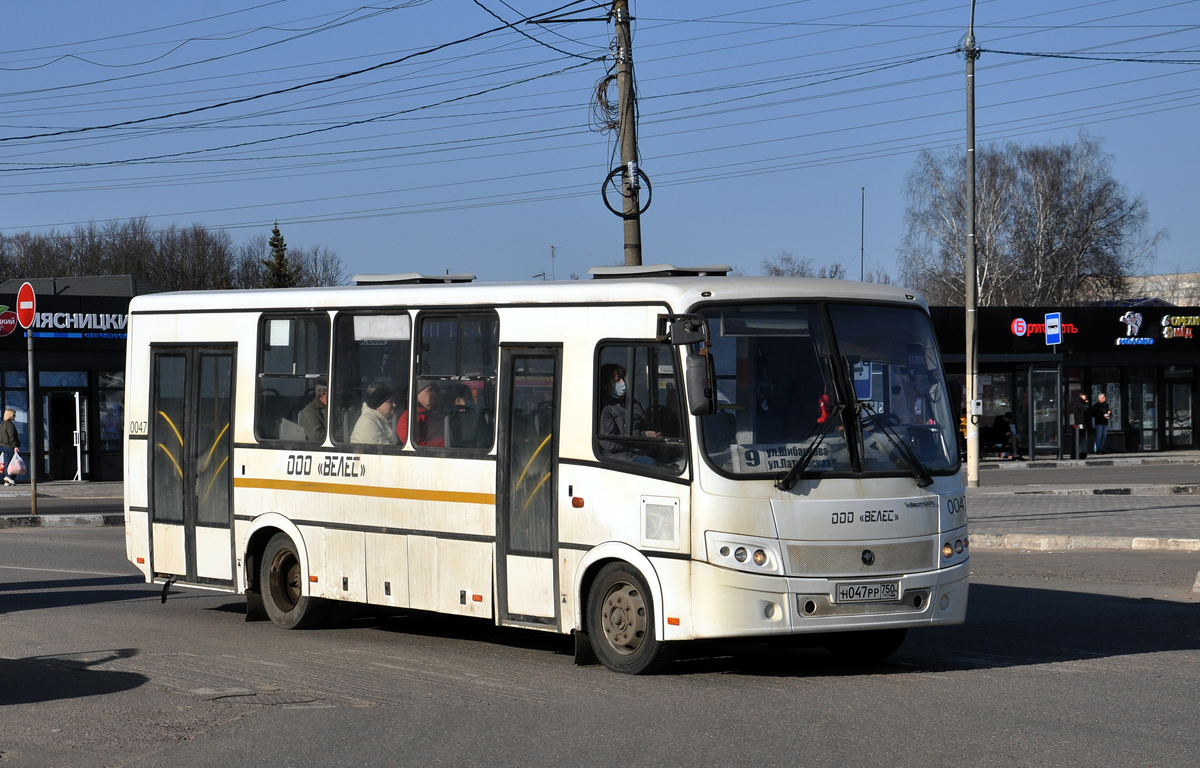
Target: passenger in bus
[[619, 418], [459, 398], [429, 427], [374, 426], [314, 417]]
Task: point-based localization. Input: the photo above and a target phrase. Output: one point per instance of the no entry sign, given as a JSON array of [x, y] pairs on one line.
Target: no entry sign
[[26, 305]]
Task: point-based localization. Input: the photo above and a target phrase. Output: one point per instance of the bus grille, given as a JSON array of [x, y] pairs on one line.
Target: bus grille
[[819, 606], [815, 559]]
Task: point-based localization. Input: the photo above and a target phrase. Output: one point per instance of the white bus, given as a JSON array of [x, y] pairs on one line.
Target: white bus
[[652, 455]]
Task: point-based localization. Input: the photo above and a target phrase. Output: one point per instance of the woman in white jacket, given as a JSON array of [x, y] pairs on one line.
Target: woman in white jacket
[[374, 425]]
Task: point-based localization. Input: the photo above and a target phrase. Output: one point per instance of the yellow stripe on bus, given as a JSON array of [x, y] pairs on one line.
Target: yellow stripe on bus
[[415, 494]]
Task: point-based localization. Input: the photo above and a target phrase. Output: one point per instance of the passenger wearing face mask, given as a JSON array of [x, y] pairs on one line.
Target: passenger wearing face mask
[[621, 416]]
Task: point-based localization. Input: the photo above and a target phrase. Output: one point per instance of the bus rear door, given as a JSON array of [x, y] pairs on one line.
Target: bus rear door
[[190, 473], [527, 485]]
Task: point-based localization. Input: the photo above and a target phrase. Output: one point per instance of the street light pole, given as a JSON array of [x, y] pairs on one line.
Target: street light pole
[[862, 244], [971, 277]]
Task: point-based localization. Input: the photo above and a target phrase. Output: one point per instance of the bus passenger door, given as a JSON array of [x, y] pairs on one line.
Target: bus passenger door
[[526, 486], [190, 476]]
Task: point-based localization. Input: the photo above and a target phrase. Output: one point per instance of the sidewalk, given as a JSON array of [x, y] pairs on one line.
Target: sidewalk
[[103, 503], [1118, 501]]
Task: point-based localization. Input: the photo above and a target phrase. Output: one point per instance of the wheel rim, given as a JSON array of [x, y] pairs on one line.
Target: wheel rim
[[623, 618], [285, 580]]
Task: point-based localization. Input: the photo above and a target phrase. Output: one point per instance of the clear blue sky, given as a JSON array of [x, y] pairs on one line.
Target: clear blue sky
[[760, 122]]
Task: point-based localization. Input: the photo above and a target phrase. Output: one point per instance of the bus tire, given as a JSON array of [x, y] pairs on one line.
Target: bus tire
[[282, 592], [621, 623], [865, 646]]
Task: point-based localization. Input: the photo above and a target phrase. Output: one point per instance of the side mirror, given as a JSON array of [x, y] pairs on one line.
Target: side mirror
[[701, 380], [683, 329]]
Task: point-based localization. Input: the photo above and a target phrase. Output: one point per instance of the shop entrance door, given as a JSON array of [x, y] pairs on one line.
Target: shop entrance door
[[1143, 410], [1039, 411], [66, 435], [1177, 407]]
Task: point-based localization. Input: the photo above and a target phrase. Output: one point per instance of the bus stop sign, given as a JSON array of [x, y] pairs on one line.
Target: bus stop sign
[[26, 305], [1054, 328]]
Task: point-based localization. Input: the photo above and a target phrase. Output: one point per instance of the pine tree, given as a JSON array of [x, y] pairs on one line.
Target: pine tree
[[279, 272]]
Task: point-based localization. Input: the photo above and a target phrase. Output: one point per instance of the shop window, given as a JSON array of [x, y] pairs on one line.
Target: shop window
[[370, 384], [639, 411], [454, 395], [112, 410], [75, 379], [293, 360], [1108, 381], [15, 395]]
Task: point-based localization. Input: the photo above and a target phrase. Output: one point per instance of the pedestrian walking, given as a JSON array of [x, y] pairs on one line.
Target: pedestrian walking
[[1081, 417], [1101, 413], [9, 441]]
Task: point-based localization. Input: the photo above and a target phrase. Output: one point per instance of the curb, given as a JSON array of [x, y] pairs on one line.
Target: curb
[[1135, 490], [1041, 543], [60, 521]]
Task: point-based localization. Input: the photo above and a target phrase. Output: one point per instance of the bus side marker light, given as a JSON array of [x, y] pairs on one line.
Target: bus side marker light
[[477, 598], [577, 502], [313, 579], [674, 622], [141, 561]]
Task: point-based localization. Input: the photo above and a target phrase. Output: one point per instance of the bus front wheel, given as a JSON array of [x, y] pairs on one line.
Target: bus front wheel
[[282, 590], [621, 622]]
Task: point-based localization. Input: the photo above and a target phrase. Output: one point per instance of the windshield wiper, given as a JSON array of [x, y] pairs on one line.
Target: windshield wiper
[[786, 482], [924, 479]]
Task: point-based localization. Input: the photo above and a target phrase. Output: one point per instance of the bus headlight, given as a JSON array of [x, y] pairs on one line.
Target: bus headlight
[[947, 550], [744, 553]]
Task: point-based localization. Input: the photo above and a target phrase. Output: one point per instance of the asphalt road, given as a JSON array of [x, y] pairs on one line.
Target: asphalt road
[[1076, 659]]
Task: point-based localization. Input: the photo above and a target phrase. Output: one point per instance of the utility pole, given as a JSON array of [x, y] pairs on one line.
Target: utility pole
[[862, 238], [630, 184], [971, 278]]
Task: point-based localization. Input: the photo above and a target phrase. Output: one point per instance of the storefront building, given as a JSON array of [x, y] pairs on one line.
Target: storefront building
[[79, 370], [1143, 358]]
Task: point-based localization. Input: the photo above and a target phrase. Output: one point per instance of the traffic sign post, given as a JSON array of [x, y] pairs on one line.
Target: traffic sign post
[[1053, 328], [26, 314]]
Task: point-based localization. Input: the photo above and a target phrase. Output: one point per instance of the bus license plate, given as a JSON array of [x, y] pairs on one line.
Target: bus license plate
[[879, 592]]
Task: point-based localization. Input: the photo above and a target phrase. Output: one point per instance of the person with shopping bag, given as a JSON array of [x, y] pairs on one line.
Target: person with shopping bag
[[9, 443]]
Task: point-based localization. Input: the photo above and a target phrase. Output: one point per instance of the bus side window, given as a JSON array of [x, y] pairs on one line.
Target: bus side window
[[638, 413], [458, 363], [368, 348], [293, 359]]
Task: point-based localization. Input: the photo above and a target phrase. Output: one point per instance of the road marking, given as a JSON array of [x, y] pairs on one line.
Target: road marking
[[60, 570]]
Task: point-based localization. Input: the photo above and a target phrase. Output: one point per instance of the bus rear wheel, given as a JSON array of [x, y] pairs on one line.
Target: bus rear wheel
[[866, 646], [621, 623], [282, 589]]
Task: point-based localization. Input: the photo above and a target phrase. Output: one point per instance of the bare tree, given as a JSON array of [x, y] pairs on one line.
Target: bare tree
[[173, 258], [1052, 226], [784, 264], [318, 265]]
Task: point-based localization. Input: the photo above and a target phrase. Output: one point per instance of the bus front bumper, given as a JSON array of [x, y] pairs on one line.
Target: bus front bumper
[[744, 604]]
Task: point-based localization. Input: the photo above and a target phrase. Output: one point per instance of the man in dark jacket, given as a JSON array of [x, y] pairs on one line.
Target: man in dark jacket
[[1082, 408], [1100, 416], [314, 417]]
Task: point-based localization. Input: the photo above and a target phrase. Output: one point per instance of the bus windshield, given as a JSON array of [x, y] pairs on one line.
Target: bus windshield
[[854, 387]]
